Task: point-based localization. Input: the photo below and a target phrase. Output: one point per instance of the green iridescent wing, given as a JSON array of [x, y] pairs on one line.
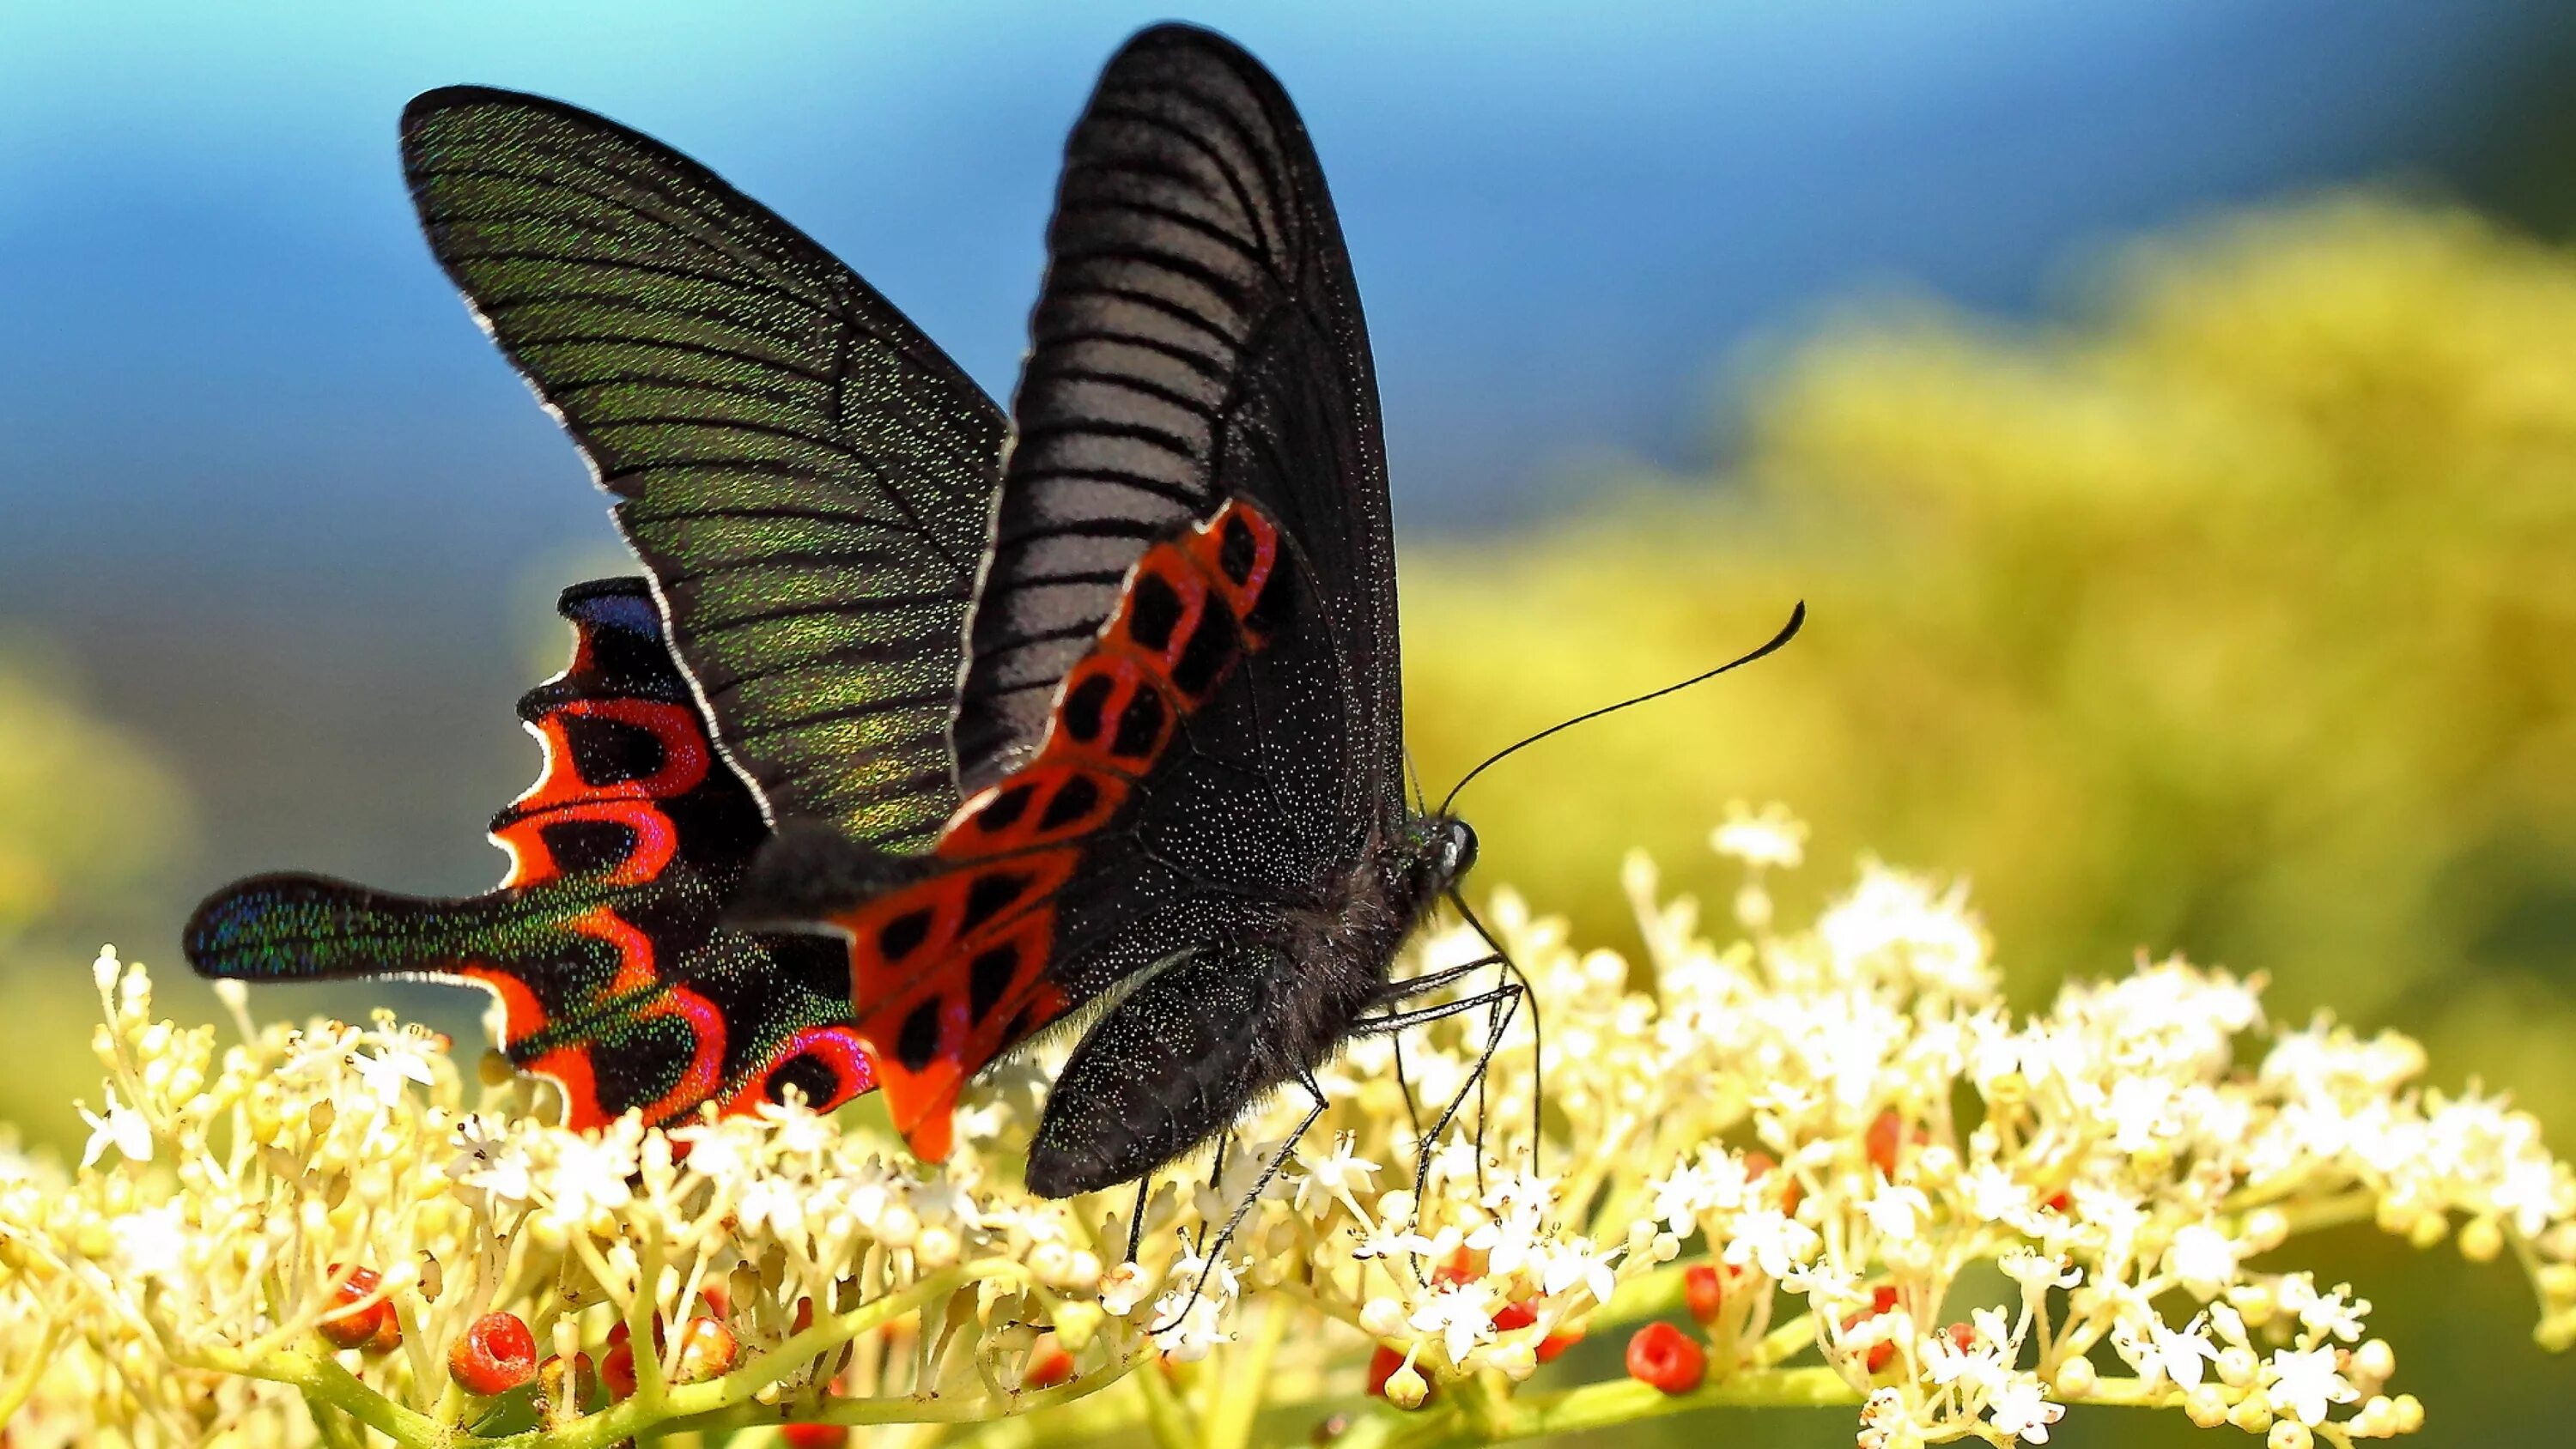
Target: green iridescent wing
[[807, 477]]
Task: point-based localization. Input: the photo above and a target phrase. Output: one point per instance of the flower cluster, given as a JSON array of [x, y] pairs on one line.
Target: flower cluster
[[1831, 1152]]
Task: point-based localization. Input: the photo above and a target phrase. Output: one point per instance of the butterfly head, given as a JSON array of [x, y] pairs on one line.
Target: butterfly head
[[1444, 850]]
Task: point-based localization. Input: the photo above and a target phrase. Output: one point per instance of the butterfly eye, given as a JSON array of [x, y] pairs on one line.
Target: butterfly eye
[[1457, 849]]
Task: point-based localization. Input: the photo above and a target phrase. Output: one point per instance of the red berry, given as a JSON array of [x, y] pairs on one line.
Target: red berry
[[815, 1436], [1557, 1343], [1704, 1291], [617, 1370], [1382, 1366], [495, 1355], [1664, 1356], [707, 1350], [1514, 1315], [1048, 1367], [1886, 1135], [352, 1327]]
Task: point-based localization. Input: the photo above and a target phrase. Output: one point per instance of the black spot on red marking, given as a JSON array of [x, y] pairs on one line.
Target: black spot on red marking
[[986, 897], [1270, 610], [1073, 800], [611, 752], [988, 977], [1140, 725], [899, 937], [1006, 809], [1154, 611], [917, 1044], [1210, 650], [580, 847], [1083, 705], [1236, 550], [1019, 1026], [807, 1073]]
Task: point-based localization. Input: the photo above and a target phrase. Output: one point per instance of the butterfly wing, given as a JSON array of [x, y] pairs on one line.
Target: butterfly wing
[[1179, 726], [602, 942], [808, 479], [1198, 338]]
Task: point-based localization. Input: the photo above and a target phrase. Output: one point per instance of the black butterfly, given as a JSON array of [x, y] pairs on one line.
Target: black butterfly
[[1170, 768]]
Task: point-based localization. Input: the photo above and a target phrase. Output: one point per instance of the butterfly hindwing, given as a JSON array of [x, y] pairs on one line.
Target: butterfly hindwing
[[602, 943], [805, 475]]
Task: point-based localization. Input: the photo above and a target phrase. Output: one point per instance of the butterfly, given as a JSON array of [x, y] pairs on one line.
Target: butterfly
[[1100, 731]]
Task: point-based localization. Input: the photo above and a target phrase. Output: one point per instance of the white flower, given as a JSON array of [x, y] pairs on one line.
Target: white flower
[[1978, 1368], [2021, 1409], [590, 1174], [1574, 1262], [1895, 1212], [2335, 1314], [399, 1058], [2038, 1272], [488, 1163], [2179, 1355], [122, 1127], [1461, 1314], [1772, 839], [1772, 1241], [152, 1242], [2302, 1382], [1190, 1317], [2203, 1258], [1338, 1176]]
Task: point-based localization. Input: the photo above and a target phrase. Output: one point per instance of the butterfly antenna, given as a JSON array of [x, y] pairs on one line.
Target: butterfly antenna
[[1788, 631]]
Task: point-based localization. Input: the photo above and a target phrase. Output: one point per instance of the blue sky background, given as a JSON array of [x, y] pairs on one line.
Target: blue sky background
[[263, 477]]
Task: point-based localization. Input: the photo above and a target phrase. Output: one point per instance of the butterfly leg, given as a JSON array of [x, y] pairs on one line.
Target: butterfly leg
[[1243, 1205], [1504, 1003]]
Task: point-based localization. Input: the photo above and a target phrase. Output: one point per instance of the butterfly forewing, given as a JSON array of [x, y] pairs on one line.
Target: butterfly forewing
[[807, 477], [1198, 337]]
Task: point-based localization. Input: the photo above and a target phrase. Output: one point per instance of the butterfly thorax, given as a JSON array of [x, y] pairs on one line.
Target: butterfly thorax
[[1343, 951]]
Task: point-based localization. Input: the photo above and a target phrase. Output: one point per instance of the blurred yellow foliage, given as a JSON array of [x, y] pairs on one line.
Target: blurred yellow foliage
[[2238, 618], [87, 813]]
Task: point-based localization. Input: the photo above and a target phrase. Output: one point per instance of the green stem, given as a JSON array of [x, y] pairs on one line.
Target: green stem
[[1165, 1415], [324, 1383], [1247, 1375], [23, 1387]]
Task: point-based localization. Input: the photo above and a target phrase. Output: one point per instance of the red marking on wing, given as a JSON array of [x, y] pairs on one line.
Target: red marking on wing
[[940, 990], [522, 1015], [835, 1046], [568, 1067], [705, 1071], [562, 795]]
